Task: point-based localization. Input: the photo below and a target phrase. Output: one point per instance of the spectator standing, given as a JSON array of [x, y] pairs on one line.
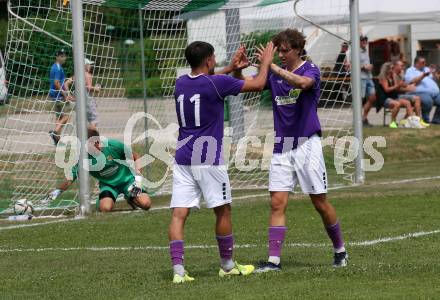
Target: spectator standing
[[57, 93], [92, 114], [340, 68], [367, 85]]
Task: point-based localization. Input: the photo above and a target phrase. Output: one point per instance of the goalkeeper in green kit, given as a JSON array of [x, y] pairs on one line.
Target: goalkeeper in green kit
[[115, 177]]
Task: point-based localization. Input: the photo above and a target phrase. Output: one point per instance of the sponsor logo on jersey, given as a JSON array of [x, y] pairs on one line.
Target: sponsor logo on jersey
[[110, 171], [290, 99]]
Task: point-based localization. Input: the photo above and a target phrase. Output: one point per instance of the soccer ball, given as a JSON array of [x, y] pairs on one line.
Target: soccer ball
[[23, 207]]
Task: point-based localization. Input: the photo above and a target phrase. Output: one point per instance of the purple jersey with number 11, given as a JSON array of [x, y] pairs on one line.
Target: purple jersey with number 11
[[200, 112]]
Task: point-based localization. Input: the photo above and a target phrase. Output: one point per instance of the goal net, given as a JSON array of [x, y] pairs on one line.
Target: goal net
[[114, 33]]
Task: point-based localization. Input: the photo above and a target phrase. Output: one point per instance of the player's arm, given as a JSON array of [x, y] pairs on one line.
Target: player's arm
[[238, 62], [257, 83], [302, 82], [137, 163], [63, 186], [58, 191]]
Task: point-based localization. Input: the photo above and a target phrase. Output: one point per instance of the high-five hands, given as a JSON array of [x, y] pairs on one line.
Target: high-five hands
[[240, 60], [265, 54]]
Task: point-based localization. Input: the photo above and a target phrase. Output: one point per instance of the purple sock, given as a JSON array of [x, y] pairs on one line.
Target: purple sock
[[225, 246], [334, 233], [176, 252], [276, 239]]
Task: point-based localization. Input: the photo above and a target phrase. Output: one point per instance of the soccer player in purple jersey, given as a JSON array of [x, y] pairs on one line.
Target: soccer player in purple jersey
[[297, 154], [199, 167]]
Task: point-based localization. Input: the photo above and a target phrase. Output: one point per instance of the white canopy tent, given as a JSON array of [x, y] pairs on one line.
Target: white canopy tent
[[370, 11]]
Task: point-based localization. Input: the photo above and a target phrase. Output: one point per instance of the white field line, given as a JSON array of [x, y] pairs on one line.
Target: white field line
[[266, 194], [35, 224], [409, 180], [160, 248]]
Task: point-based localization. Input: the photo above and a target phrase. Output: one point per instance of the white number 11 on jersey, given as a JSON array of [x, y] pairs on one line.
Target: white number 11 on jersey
[[194, 99]]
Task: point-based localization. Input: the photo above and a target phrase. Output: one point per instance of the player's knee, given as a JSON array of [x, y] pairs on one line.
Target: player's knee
[[106, 201], [223, 210], [180, 213], [105, 207], [144, 202], [321, 204], [278, 203]]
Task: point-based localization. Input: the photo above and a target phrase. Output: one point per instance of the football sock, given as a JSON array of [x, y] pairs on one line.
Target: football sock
[[334, 233], [274, 259], [179, 270], [225, 247], [276, 240], [176, 253]]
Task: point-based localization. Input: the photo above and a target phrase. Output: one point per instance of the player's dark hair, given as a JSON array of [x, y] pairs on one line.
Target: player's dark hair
[[292, 37], [418, 58], [197, 52], [61, 52], [92, 132]]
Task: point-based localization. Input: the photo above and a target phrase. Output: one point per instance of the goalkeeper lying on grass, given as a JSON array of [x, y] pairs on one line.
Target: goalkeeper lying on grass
[[115, 177]]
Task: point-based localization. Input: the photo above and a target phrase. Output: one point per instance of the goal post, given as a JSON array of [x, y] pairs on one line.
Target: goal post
[[137, 47], [359, 176], [81, 106]]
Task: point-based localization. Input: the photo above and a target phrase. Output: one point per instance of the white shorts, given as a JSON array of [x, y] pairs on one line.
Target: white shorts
[[304, 165], [191, 182]]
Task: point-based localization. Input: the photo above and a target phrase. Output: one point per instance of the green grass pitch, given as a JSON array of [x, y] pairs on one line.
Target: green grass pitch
[[125, 256]]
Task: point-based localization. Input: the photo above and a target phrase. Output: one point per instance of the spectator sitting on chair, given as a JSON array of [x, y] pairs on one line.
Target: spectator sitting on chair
[[435, 73], [426, 88], [388, 94], [405, 91]]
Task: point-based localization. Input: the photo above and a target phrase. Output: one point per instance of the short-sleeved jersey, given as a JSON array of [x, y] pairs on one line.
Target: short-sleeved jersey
[[56, 73], [200, 112], [294, 110], [113, 173]]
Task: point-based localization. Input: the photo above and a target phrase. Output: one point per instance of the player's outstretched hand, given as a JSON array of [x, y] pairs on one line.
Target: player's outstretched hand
[[97, 88], [136, 187], [240, 60], [51, 196], [265, 54]]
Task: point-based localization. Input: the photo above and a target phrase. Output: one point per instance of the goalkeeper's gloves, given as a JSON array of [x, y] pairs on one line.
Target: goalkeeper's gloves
[[136, 187], [53, 195]]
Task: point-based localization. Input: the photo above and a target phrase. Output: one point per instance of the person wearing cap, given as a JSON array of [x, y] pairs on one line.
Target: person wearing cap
[[59, 95], [92, 114]]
